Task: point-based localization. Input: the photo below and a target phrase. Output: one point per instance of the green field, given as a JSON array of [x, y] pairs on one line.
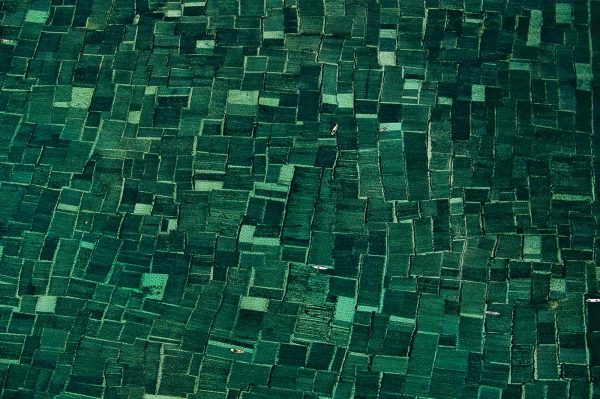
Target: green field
[[299, 199]]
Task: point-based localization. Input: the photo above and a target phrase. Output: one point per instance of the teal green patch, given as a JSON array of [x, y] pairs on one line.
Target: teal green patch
[[256, 63], [564, 13], [389, 364], [534, 35], [584, 76]]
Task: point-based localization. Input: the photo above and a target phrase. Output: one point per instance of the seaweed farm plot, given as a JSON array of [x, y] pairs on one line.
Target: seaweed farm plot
[[299, 199]]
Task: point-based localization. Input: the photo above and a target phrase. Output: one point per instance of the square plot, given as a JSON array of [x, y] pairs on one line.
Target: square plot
[[46, 304], [134, 117], [82, 97], [478, 93], [345, 100], [256, 63], [154, 284]]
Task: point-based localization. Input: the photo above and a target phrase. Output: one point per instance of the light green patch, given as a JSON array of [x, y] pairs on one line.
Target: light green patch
[[532, 245], [387, 33], [386, 58], [87, 245], [366, 116], [45, 304], [36, 16], [345, 100], [344, 309], [273, 35], [134, 117], [257, 304], [82, 97], [571, 197], [207, 185], [142, 209], [286, 174], [391, 127], [269, 101], [173, 13], [478, 93], [444, 100], [329, 99], [266, 241], [153, 285], [205, 44], [247, 233], [534, 35], [412, 84], [242, 102], [151, 90], [519, 66], [67, 207]]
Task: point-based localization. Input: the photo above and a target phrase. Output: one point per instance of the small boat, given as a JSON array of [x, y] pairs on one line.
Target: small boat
[[235, 350], [321, 267], [492, 312], [334, 129], [593, 300]]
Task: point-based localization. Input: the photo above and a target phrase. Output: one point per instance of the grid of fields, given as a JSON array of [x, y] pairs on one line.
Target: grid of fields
[[299, 199]]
